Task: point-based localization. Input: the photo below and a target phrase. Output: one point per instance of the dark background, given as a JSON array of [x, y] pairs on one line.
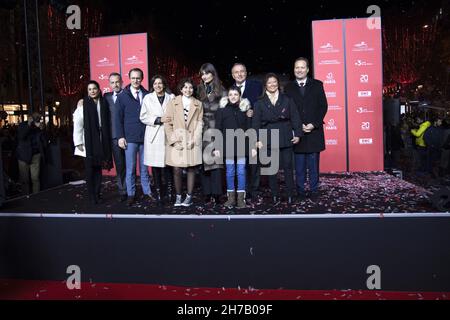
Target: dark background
[[266, 35]]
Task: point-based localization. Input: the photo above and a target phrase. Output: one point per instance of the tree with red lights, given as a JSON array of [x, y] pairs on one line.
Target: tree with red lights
[[70, 55]]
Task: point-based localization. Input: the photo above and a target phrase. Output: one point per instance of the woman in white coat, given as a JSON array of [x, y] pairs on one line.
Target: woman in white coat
[[152, 115]]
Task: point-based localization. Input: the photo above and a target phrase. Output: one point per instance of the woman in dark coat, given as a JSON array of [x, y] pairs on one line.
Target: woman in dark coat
[[92, 138], [210, 91], [232, 116], [276, 111]]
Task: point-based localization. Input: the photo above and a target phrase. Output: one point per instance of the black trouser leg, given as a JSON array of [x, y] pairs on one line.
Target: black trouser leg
[[93, 180], [97, 180], [254, 180], [157, 177], [119, 162], [273, 178], [286, 163]]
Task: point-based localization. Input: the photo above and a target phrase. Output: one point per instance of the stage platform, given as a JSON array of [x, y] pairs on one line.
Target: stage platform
[[361, 220], [340, 194]]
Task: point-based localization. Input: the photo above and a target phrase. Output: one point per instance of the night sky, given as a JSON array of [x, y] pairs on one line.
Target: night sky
[[266, 35]]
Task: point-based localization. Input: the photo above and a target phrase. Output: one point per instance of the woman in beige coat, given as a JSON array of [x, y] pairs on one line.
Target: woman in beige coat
[[184, 138]]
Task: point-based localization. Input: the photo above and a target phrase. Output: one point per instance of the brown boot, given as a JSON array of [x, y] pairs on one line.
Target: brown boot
[[241, 200], [231, 202]]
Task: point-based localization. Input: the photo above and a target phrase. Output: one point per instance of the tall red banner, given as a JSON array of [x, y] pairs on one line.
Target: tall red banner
[[354, 122], [133, 54], [364, 95], [328, 48], [118, 54], [104, 59]]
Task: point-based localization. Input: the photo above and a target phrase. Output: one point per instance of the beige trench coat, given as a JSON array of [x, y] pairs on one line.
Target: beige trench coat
[[184, 138]]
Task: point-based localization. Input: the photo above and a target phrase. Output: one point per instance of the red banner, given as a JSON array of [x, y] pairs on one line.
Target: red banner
[[118, 54], [104, 59], [133, 54], [328, 48], [364, 95]]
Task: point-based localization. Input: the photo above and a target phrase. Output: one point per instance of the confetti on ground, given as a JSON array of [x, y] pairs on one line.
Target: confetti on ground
[[376, 192]]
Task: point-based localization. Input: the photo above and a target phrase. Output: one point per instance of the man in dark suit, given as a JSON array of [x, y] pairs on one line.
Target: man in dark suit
[[251, 90], [310, 98], [131, 131], [115, 83]]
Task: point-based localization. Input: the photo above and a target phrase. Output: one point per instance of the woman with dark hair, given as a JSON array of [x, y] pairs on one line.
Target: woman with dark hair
[[92, 138], [275, 111], [210, 91], [152, 115], [231, 117], [183, 130]]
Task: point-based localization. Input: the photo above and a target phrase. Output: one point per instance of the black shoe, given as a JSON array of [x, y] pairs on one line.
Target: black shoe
[[314, 195], [216, 200], [130, 201], [123, 197], [257, 200], [207, 199], [301, 196], [275, 200], [149, 197]]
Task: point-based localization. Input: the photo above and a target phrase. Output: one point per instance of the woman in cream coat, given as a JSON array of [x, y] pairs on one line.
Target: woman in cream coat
[[184, 138], [152, 115]]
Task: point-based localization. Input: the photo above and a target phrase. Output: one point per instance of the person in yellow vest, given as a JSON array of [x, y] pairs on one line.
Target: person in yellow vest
[[420, 142]]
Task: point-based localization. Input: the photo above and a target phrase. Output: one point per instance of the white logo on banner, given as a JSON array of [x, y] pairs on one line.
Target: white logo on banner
[[362, 46], [363, 110], [327, 48], [366, 141], [363, 63], [106, 89], [330, 94], [334, 108], [330, 79], [364, 78], [104, 62], [103, 77], [331, 125], [331, 142], [365, 126], [328, 62], [364, 94], [133, 60]]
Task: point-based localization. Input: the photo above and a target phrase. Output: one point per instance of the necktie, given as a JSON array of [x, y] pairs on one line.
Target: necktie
[[137, 97], [114, 97], [302, 88]]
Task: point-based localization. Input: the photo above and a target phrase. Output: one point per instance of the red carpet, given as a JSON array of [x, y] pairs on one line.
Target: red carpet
[[55, 290]]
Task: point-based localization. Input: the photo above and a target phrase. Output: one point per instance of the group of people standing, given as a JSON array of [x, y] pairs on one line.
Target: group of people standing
[[179, 134]]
